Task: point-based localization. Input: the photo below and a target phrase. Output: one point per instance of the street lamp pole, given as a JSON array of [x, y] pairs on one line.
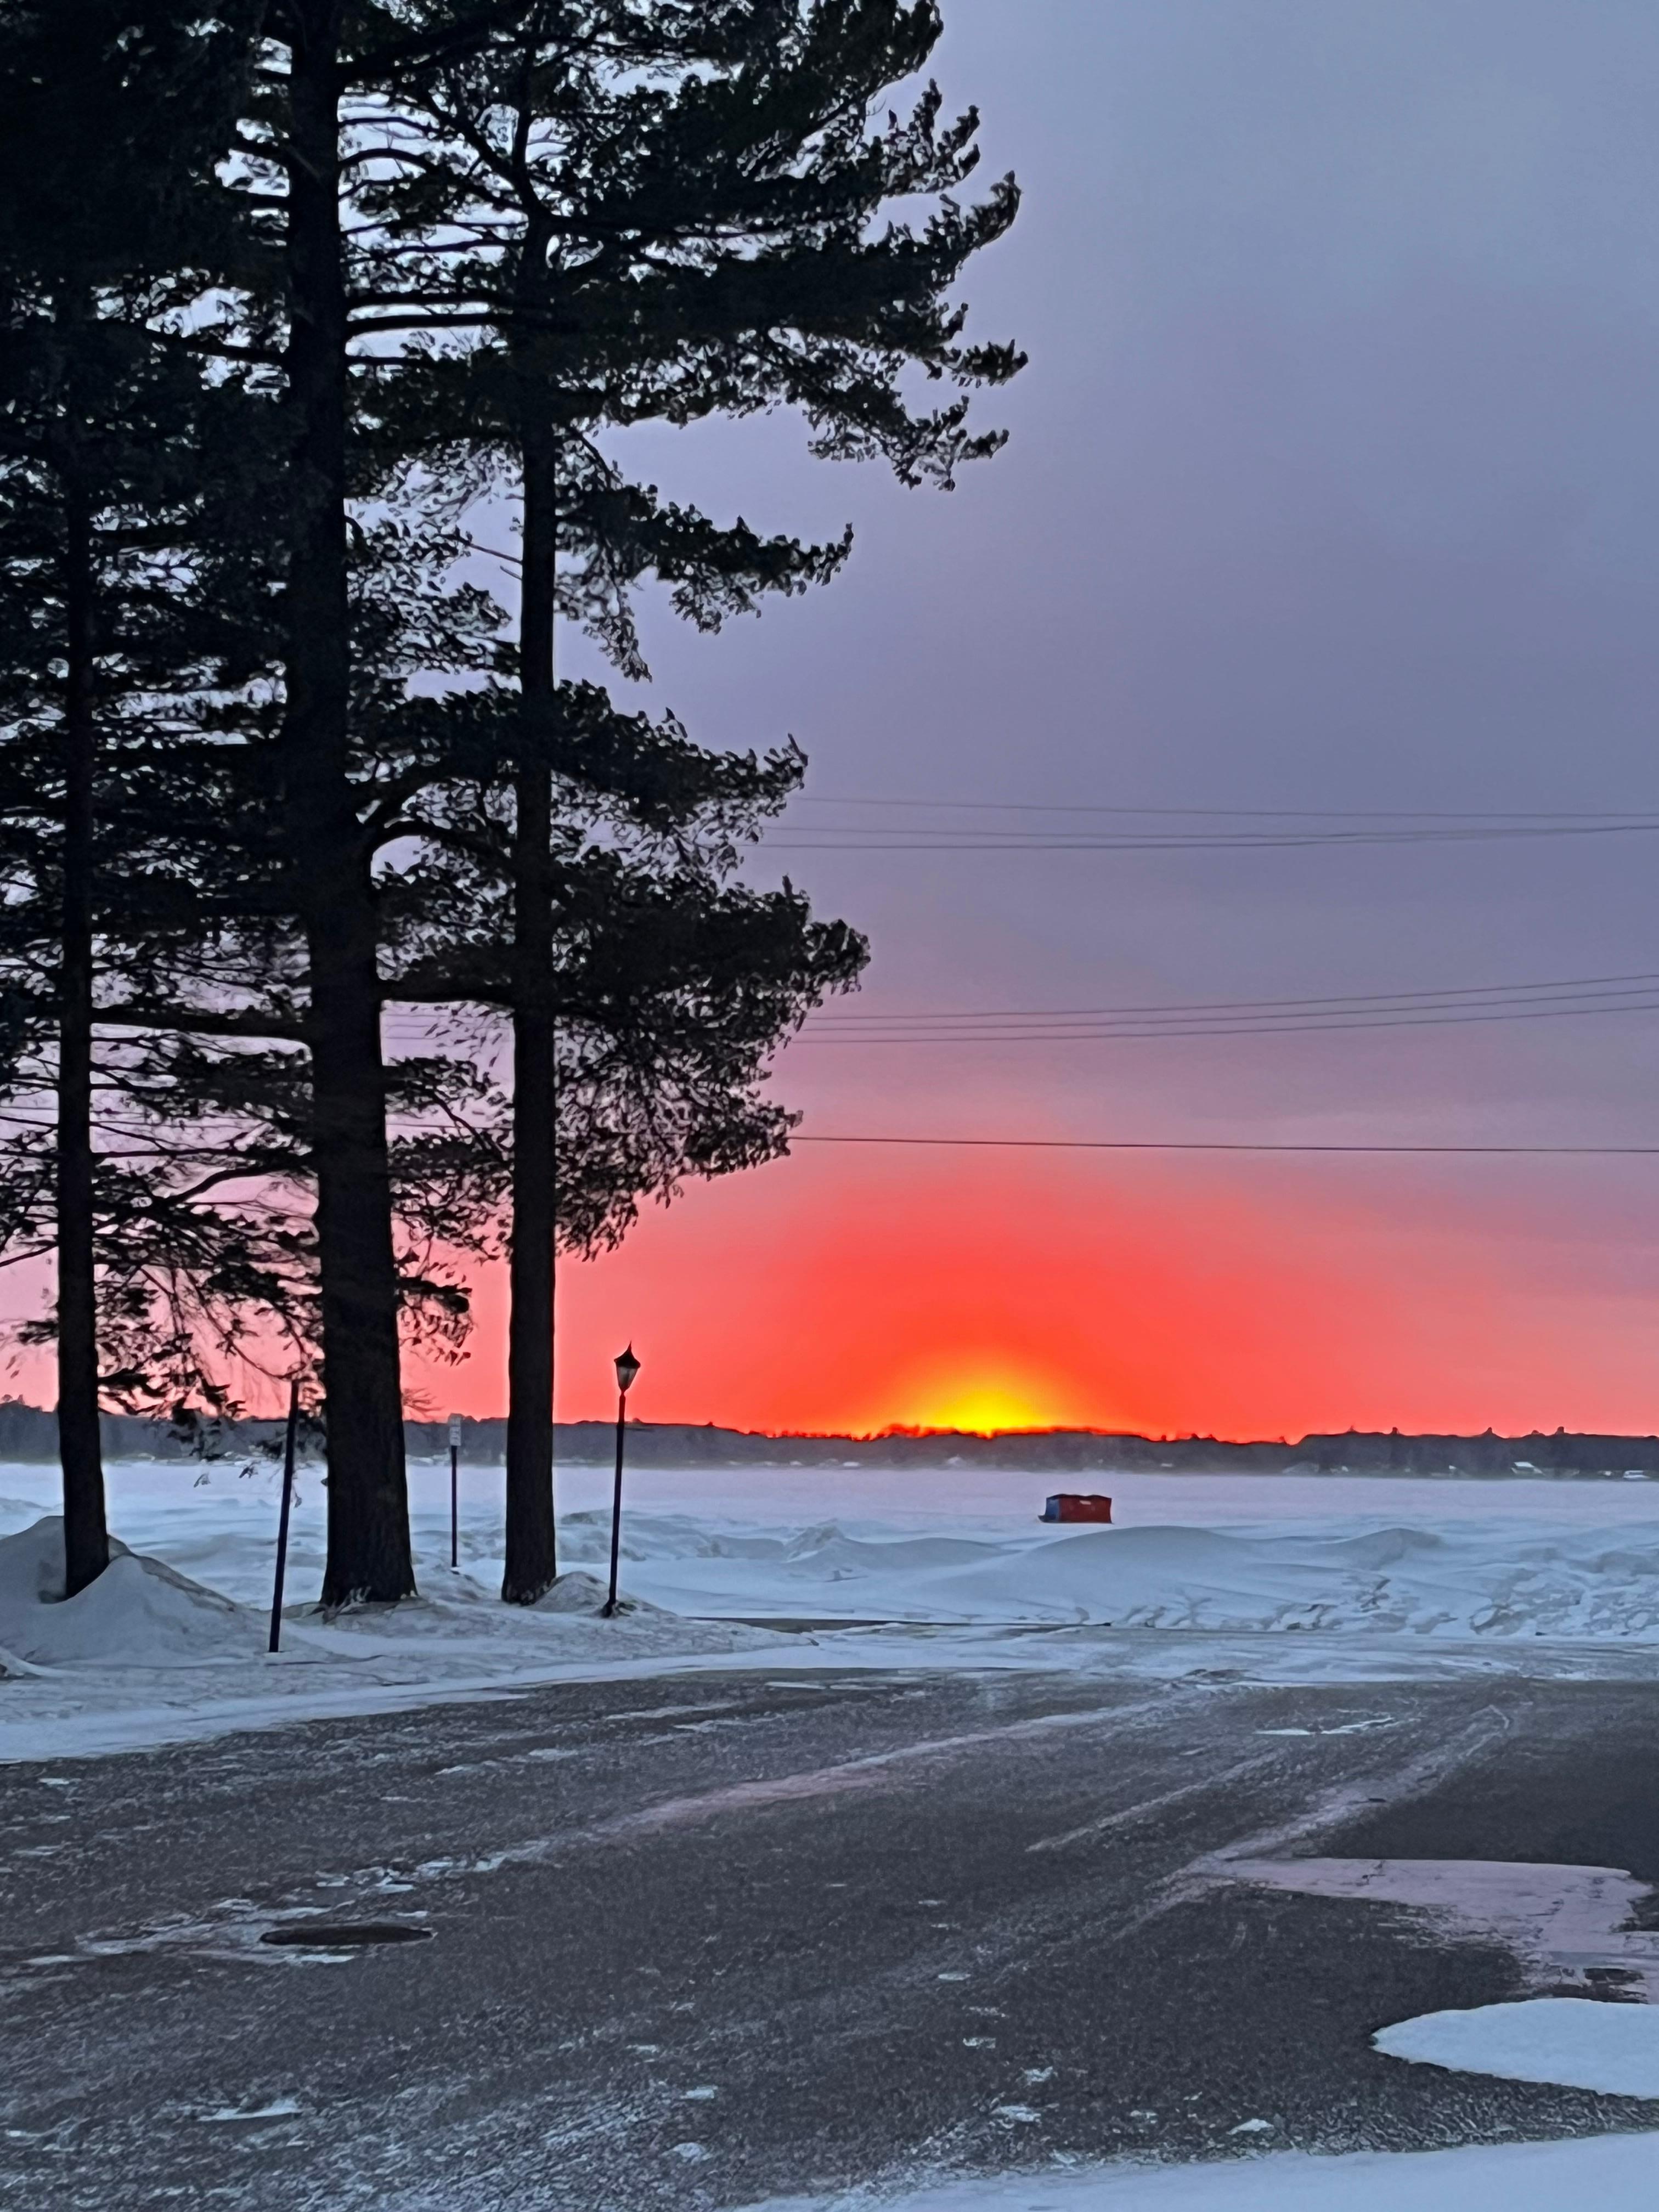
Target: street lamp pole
[[454, 1490], [627, 1368]]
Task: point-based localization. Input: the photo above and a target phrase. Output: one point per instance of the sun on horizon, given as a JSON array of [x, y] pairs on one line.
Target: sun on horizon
[[981, 1408]]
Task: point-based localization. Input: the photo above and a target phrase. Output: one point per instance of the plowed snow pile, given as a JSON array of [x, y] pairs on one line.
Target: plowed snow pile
[[137, 1613], [150, 1653]]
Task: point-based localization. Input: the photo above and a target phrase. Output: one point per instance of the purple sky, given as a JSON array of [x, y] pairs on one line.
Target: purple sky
[[1332, 485]]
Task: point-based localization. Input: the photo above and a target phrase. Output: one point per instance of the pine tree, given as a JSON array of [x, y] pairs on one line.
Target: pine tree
[[684, 229], [326, 319], [110, 119], [141, 457], [607, 212]]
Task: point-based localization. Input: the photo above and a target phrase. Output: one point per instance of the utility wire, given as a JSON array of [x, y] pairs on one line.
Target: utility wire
[[1121, 1035], [1017, 825], [1451, 1007], [1340, 1001], [1181, 1145], [811, 838], [1251, 813]]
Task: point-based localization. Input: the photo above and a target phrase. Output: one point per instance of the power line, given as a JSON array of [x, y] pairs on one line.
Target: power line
[[1548, 814], [1017, 825], [1119, 1036], [955, 838], [1447, 1007], [1340, 1001], [1231, 1145]]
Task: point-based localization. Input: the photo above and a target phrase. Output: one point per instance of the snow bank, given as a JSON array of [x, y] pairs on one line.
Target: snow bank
[[1572, 2041], [146, 1654], [1617, 2173], [585, 1594], [139, 1612], [1472, 1580]]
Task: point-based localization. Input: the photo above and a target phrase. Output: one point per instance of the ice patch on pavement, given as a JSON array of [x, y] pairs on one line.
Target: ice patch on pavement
[[1559, 1920], [1617, 2173], [279, 2108], [1577, 2043]]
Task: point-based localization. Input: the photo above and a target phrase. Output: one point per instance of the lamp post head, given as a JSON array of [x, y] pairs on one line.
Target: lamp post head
[[627, 1368]]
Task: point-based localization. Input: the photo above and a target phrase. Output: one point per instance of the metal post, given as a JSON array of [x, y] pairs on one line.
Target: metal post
[[616, 1506], [281, 1523], [454, 1490]]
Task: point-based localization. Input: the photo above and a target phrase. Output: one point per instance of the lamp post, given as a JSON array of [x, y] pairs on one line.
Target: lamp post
[[627, 1368], [454, 1490]]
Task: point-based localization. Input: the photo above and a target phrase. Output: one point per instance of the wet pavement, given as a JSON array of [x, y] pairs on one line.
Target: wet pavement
[[699, 1942]]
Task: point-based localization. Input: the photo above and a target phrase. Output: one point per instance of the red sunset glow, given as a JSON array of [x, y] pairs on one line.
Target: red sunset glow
[[840, 1293]]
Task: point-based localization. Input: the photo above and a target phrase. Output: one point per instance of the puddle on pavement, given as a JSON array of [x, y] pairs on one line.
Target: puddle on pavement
[[344, 1935]]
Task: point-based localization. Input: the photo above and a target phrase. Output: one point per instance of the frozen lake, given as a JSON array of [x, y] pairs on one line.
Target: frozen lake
[[1491, 1559]]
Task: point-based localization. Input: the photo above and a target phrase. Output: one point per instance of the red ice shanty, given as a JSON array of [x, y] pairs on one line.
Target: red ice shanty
[[1076, 1505]]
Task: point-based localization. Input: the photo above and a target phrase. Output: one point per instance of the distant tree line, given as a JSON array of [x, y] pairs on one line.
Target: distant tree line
[[345, 941], [30, 1433]]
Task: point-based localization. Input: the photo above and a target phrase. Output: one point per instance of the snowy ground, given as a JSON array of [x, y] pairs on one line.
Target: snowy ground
[[1611, 2048], [1618, 2173], [1281, 1577]]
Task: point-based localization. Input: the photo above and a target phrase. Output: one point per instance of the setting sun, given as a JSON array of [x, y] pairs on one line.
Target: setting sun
[[982, 1406], [984, 1409]]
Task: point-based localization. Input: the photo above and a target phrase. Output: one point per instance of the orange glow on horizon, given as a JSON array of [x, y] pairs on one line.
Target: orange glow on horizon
[[981, 1398], [1168, 1298]]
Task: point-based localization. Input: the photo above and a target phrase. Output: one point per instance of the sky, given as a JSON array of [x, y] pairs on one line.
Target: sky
[[1331, 485]]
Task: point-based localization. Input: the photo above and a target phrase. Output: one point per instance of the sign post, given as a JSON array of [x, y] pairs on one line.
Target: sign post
[[454, 1490], [282, 1518]]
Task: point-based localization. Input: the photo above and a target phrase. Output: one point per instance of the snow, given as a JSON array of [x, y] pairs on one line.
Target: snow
[[150, 1654], [1280, 1577], [139, 1612], [1611, 2048], [278, 2108], [1487, 1577], [1617, 2173]]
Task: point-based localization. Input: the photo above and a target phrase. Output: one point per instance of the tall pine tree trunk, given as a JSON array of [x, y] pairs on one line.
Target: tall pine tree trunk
[[86, 1534], [368, 1543], [531, 1547]]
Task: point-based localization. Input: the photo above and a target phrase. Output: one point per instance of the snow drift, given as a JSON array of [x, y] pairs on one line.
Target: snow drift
[[139, 1612], [1470, 1580]]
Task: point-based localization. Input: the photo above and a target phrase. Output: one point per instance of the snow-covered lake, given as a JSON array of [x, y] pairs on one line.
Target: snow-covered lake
[[1286, 1577], [1443, 1558]]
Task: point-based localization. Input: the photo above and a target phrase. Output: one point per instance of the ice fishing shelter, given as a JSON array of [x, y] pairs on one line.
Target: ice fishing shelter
[[1076, 1505]]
